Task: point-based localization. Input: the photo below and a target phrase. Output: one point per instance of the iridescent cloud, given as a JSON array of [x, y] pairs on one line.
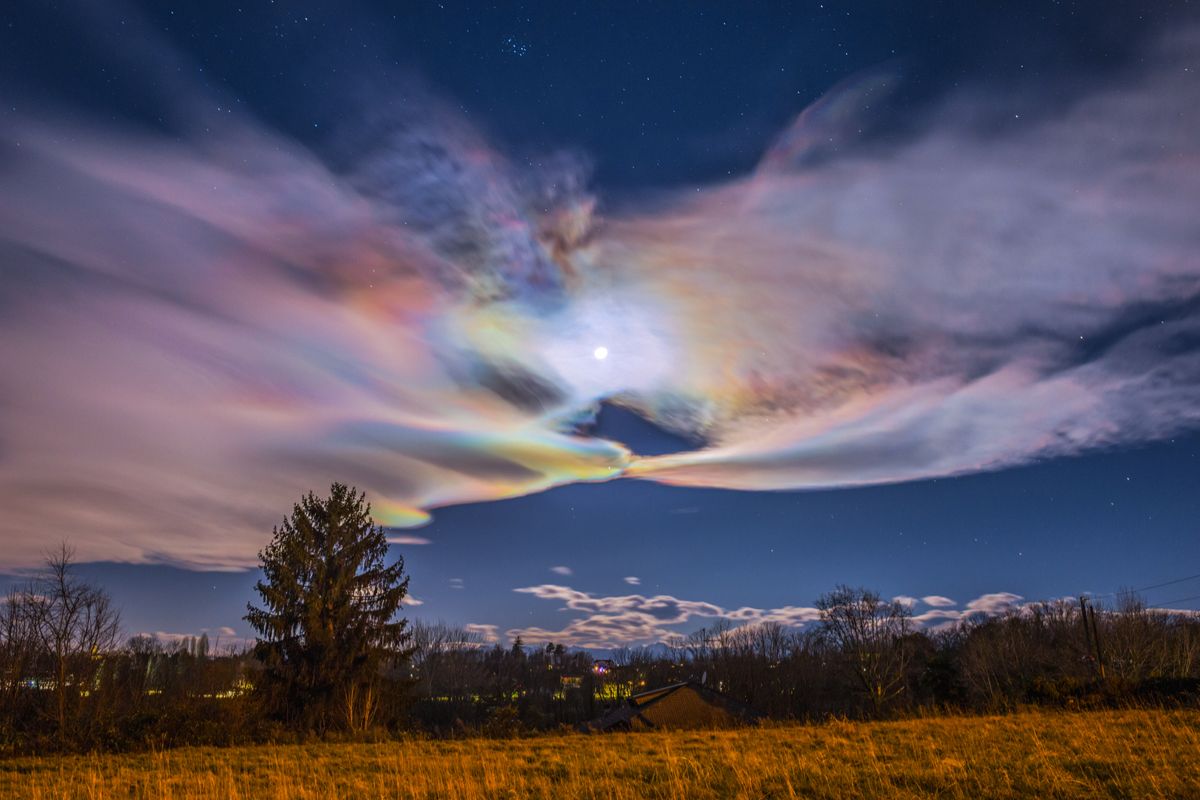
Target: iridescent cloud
[[196, 329]]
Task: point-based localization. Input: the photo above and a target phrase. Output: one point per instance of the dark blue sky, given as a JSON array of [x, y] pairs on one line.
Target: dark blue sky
[[655, 96]]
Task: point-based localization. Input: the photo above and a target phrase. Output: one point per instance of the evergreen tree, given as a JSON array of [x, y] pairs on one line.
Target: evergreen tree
[[327, 628]]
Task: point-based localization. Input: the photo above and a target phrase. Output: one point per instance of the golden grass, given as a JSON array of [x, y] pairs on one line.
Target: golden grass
[[1123, 754]]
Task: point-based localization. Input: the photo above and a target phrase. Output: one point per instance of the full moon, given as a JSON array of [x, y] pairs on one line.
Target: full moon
[[600, 353]]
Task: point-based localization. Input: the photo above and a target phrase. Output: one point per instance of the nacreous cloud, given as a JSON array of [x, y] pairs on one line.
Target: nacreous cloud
[[197, 329]]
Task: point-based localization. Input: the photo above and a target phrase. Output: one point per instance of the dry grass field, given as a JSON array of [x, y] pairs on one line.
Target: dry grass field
[[1126, 754]]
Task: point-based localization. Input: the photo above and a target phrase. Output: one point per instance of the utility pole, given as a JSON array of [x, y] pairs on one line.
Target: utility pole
[[1096, 639], [1087, 632], [1091, 633]]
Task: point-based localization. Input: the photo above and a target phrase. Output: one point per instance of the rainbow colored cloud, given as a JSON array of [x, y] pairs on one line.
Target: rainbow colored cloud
[[198, 329]]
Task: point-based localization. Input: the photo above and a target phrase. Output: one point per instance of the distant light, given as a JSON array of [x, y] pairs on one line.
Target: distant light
[[600, 353]]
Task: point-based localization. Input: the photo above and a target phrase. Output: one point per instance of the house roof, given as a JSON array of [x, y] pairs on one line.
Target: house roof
[[635, 707]]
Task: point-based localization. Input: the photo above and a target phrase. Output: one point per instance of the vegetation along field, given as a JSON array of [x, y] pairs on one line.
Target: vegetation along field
[[1127, 754]]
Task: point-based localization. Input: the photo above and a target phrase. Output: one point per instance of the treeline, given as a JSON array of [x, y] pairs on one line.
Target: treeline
[[863, 658], [333, 657], [66, 684]]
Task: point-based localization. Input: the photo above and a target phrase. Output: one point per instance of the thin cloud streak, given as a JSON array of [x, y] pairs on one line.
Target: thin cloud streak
[[408, 539]]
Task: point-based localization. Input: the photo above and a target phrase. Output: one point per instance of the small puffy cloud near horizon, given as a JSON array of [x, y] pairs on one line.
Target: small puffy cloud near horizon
[[221, 639], [605, 621], [488, 634]]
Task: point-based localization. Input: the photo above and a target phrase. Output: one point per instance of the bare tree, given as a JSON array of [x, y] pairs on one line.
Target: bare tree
[[445, 657], [1137, 639], [870, 634], [74, 624]]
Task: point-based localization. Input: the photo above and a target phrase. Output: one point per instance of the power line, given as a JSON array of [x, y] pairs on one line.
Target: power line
[[1167, 583], [1148, 588], [1177, 600]]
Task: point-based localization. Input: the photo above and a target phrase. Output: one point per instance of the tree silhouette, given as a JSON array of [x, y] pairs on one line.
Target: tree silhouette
[[327, 628], [871, 634], [71, 623]]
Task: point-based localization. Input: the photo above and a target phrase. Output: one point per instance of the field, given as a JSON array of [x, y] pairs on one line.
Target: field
[[1100, 754]]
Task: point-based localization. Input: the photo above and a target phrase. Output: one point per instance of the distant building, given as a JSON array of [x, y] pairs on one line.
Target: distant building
[[603, 666], [681, 705]]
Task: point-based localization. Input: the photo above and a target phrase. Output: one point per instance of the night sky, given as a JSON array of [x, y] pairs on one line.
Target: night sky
[[628, 318]]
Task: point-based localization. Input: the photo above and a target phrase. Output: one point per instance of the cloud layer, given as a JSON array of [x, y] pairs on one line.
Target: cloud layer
[[634, 619], [197, 329]]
